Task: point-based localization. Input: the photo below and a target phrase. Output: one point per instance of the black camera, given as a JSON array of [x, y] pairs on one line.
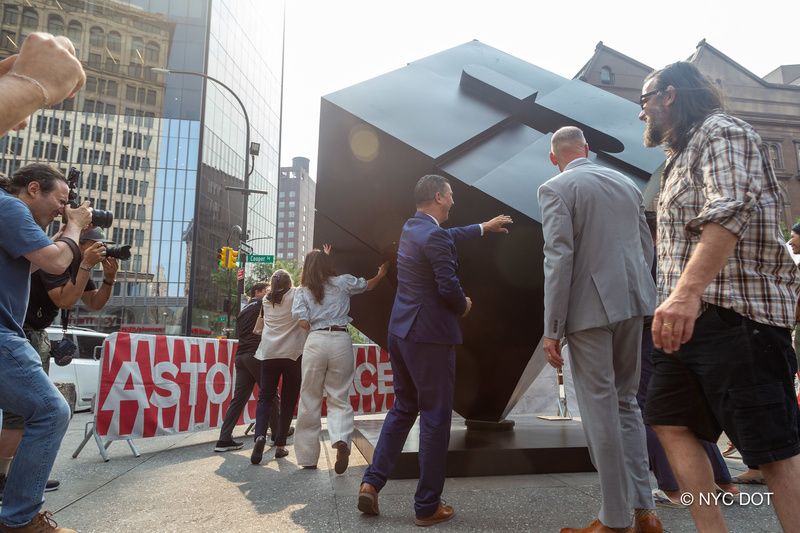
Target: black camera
[[100, 218], [62, 351], [119, 251]]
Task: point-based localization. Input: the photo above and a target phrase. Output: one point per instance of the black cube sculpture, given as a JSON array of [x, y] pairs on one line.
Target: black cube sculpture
[[483, 119]]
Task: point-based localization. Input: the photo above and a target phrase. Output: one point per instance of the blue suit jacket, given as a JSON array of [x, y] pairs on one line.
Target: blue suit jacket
[[429, 298]]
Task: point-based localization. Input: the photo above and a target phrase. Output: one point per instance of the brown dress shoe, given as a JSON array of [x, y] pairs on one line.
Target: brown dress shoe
[[648, 523], [342, 457], [443, 514], [595, 527], [368, 499], [41, 523]]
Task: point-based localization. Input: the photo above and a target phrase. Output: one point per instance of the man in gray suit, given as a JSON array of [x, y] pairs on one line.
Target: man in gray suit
[[597, 257]]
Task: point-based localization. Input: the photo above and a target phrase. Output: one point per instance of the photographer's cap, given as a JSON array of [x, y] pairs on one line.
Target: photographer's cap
[[93, 234]]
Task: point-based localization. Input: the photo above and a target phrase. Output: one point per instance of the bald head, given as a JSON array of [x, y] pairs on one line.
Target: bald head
[[567, 144]]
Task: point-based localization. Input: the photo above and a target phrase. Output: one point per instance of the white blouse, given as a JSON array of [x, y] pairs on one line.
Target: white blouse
[[282, 338]]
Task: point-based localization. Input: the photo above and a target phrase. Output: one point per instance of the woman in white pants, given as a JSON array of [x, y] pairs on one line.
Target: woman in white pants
[[321, 305]]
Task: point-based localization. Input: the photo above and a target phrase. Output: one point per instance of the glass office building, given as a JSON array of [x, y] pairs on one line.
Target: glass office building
[[158, 150]]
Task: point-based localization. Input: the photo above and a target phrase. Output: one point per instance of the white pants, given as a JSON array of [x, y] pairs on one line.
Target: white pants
[[329, 366]]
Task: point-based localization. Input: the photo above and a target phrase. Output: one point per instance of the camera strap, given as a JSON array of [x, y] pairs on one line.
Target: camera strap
[[64, 322], [76, 257]]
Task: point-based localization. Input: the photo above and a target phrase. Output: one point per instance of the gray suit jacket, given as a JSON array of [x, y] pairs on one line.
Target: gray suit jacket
[[597, 250]]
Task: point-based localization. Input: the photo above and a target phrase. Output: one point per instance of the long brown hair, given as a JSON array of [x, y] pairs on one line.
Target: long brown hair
[[279, 284], [695, 98], [317, 268]]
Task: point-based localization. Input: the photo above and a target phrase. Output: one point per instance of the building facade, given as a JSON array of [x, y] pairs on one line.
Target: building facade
[[770, 104], [157, 149], [296, 193]]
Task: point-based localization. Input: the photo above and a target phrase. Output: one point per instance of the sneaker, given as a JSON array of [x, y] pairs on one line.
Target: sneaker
[[281, 452], [41, 523], [227, 445], [258, 450]]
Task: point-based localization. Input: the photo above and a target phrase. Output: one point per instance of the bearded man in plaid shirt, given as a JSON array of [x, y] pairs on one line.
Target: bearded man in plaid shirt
[[727, 290]]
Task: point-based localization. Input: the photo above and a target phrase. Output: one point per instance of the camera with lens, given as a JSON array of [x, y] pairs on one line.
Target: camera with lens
[[100, 218], [119, 251], [62, 351]]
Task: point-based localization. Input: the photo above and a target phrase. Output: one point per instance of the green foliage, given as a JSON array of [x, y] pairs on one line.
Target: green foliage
[[357, 336], [263, 271]]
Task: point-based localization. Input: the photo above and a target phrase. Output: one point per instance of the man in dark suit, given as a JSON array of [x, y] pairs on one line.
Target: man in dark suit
[[423, 330]]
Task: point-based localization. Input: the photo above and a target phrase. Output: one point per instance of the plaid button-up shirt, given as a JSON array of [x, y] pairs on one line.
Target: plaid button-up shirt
[[722, 177]]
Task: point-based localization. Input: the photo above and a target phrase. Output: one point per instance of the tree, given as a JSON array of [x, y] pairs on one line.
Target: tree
[[263, 271]]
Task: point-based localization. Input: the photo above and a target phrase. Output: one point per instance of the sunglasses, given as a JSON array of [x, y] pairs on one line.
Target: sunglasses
[[646, 96]]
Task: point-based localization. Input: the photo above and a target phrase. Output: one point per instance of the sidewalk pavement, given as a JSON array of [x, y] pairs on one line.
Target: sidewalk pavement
[[179, 484]]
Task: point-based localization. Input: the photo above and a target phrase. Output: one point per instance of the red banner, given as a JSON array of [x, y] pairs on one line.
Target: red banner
[[154, 385]]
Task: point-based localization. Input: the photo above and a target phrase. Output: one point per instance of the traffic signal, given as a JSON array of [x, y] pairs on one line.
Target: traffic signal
[[233, 257], [222, 256]]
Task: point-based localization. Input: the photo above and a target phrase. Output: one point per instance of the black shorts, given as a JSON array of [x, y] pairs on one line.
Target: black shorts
[[735, 375]]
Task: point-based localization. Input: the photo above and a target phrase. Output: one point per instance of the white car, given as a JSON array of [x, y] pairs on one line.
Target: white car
[[84, 369]]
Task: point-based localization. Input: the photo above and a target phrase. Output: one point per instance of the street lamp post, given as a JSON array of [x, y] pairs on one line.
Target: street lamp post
[[251, 150]]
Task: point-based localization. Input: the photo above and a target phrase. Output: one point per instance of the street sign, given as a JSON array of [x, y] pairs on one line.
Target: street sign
[[221, 318], [260, 258]]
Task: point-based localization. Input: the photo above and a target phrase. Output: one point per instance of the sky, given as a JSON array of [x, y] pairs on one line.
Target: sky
[[333, 44]]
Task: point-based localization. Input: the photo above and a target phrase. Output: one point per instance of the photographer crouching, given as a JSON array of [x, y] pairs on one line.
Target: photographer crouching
[[29, 201], [50, 293]]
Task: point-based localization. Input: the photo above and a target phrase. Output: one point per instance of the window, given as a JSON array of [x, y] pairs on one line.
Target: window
[[130, 211], [74, 32], [292, 203], [114, 41], [8, 39], [112, 88], [10, 14], [774, 153], [130, 93], [151, 97], [152, 52], [291, 223], [137, 263], [281, 204], [112, 65], [137, 50], [140, 96], [94, 60], [280, 235], [282, 195], [290, 245], [116, 235], [91, 84], [143, 189], [133, 187], [55, 25], [141, 213], [96, 37], [290, 235], [103, 185], [292, 194], [606, 76], [291, 214], [92, 184], [30, 18], [102, 204], [120, 184]]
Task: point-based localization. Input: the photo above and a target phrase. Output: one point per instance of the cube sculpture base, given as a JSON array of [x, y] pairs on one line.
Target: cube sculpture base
[[534, 446]]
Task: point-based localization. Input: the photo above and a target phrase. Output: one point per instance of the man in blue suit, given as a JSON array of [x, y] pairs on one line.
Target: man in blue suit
[[423, 332]]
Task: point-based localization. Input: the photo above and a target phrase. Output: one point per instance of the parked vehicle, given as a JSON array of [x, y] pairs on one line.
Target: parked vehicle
[[84, 370]]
